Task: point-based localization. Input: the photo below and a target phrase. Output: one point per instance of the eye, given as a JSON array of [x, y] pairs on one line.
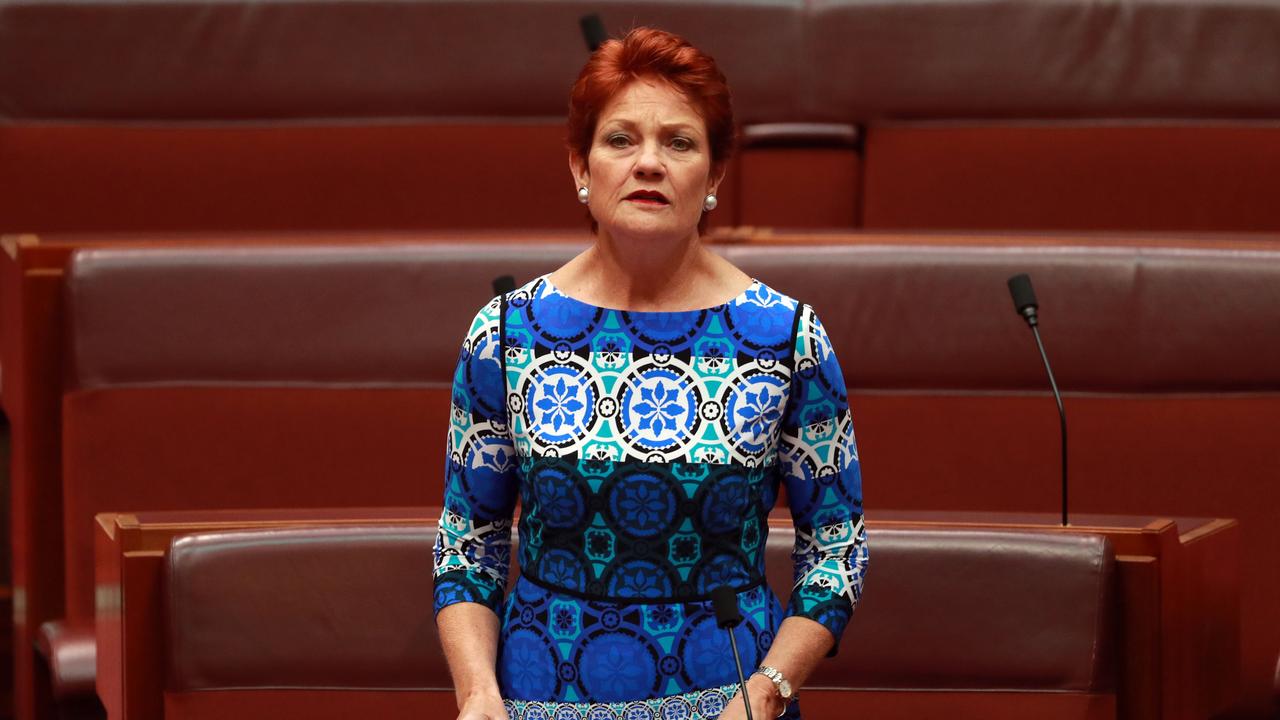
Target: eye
[[681, 144], [618, 140]]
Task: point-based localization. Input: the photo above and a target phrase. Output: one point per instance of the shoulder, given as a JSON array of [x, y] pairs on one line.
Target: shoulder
[[763, 317], [758, 294], [812, 341], [485, 323], [489, 318]]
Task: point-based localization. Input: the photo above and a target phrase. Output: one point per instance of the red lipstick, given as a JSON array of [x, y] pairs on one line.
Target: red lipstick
[[648, 197]]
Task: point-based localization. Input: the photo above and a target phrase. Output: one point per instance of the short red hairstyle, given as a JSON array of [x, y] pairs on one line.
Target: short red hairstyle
[[648, 53]]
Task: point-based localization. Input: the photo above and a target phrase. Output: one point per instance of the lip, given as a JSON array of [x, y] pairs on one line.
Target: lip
[[648, 197]]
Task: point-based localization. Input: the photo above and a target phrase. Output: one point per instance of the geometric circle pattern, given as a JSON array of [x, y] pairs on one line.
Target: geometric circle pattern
[[646, 450]]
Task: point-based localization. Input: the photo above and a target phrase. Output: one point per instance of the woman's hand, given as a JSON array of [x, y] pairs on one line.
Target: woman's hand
[[766, 704], [483, 707]]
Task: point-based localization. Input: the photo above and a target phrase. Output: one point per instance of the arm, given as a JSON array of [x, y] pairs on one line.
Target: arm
[[469, 636], [798, 648], [818, 459], [473, 546]]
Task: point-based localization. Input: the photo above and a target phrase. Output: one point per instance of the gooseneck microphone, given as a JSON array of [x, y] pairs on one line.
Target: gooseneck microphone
[[1024, 301], [503, 284], [593, 31], [725, 602]]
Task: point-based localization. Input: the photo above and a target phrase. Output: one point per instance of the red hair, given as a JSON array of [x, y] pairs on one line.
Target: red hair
[[649, 53]]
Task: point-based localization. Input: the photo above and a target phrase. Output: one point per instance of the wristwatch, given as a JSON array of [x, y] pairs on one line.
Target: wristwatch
[[780, 682]]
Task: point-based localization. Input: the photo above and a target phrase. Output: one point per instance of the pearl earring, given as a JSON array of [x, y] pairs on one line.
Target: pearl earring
[[710, 203], [584, 194]]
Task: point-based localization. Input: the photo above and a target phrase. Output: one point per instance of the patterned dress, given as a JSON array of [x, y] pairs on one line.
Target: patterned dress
[[646, 450]]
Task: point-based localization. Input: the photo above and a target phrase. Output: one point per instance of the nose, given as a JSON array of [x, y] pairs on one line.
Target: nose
[[649, 164]]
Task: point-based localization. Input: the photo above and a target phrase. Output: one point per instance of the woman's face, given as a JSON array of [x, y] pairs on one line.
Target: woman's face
[[649, 169]]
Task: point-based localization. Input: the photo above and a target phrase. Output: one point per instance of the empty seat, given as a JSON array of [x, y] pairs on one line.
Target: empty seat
[[334, 619]]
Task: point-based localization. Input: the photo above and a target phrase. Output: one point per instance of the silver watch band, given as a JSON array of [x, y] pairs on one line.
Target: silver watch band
[[780, 684]]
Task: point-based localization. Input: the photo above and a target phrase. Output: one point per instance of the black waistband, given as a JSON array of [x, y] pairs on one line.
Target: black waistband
[[693, 597]]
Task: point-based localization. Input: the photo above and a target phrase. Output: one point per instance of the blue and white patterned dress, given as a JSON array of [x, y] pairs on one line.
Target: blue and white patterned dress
[[646, 450]]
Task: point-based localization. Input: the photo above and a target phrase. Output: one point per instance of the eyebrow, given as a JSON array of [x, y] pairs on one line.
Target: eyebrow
[[666, 127]]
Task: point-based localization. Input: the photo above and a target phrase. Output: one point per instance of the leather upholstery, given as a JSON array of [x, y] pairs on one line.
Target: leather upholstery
[[70, 648], [979, 610], [323, 607], [848, 60], [946, 384], [1276, 694], [276, 60], [972, 59], [350, 608], [1138, 319], [257, 124], [365, 315]]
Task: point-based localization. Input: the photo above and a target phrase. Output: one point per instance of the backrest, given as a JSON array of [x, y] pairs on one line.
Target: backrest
[[789, 60], [204, 378], [370, 315], [1022, 60], [959, 609], [491, 59], [327, 607], [1028, 115], [350, 608], [1169, 360], [944, 390], [315, 367], [1120, 318], [256, 124], [452, 118]]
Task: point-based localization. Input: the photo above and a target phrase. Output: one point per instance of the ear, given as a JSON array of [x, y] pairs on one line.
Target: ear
[[717, 176], [578, 168]]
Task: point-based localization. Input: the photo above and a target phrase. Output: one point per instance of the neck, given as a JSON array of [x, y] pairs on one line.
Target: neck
[[646, 273]]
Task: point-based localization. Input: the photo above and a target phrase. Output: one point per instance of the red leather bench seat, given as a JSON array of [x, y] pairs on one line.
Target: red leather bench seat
[[263, 377], [1169, 360], [255, 60], [32, 270], [1115, 318], [1054, 116], [338, 623], [257, 124], [257, 377], [336, 608], [1167, 357], [431, 116]]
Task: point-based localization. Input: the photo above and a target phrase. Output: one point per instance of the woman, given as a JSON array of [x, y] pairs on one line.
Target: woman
[[645, 402]]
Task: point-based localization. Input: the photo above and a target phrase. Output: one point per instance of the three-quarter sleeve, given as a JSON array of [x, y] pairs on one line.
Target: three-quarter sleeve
[[473, 547], [818, 459]]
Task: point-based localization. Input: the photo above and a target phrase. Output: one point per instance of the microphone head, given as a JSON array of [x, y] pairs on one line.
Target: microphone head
[[503, 284], [593, 31], [1024, 297], [725, 602]]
